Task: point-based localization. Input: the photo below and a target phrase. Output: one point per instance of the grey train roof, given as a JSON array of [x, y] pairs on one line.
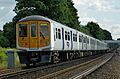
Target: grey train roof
[[33, 18]]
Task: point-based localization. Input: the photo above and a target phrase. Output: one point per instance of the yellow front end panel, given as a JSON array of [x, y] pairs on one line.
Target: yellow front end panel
[[33, 34]]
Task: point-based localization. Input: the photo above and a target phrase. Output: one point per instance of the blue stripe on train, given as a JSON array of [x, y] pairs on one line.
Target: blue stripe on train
[[71, 40], [62, 38]]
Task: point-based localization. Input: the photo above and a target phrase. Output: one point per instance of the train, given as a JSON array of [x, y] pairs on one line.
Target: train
[[42, 40]]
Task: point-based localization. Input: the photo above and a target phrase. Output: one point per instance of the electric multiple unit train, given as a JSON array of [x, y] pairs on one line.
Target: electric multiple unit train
[[42, 40]]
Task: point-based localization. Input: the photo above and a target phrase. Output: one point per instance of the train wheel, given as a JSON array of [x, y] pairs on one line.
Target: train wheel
[[55, 58]]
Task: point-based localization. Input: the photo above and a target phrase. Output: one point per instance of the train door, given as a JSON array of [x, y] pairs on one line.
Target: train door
[[44, 34], [22, 35], [33, 36]]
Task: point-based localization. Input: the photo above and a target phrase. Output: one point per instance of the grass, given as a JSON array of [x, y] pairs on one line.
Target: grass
[[4, 58]]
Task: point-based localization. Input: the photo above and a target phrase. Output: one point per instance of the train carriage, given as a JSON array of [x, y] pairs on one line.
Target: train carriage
[[43, 40]]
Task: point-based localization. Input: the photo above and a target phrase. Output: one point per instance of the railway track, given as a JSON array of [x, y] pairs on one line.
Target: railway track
[[4, 71], [44, 72], [79, 71]]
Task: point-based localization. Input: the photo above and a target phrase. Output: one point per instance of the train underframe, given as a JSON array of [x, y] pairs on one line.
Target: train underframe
[[33, 57]]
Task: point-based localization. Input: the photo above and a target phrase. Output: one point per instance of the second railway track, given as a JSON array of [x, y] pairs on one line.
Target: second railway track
[[60, 71]]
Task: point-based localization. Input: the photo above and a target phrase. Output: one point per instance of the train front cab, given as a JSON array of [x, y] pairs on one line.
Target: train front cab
[[32, 38]]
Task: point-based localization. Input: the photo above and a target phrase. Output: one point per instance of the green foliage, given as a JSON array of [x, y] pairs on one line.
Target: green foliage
[[4, 42], [29, 7], [85, 30], [100, 34], [9, 32], [62, 11], [68, 14], [4, 58], [107, 35], [94, 30]]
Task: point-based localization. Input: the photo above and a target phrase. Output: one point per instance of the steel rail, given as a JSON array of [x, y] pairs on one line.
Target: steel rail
[[41, 71], [56, 75]]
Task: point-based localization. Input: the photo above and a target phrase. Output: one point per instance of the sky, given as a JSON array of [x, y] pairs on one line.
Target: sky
[[105, 12], [6, 11]]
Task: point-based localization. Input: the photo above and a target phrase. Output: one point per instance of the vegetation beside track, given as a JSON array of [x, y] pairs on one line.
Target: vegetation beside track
[[4, 58]]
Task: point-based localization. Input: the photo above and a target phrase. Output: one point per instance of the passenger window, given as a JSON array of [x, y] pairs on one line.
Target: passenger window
[[73, 37], [44, 30], [76, 37], [65, 35], [80, 38], [88, 40], [84, 39], [23, 30], [59, 34], [33, 30]]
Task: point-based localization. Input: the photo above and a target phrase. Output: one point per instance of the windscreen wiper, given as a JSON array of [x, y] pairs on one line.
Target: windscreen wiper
[[42, 35]]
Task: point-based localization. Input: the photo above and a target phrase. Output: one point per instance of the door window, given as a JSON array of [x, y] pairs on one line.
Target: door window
[[33, 30]]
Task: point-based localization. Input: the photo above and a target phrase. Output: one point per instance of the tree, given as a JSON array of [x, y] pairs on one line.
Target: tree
[[69, 14], [85, 30], [4, 42], [98, 33], [29, 7], [107, 35], [10, 33], [62, 11], [93, 28]]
